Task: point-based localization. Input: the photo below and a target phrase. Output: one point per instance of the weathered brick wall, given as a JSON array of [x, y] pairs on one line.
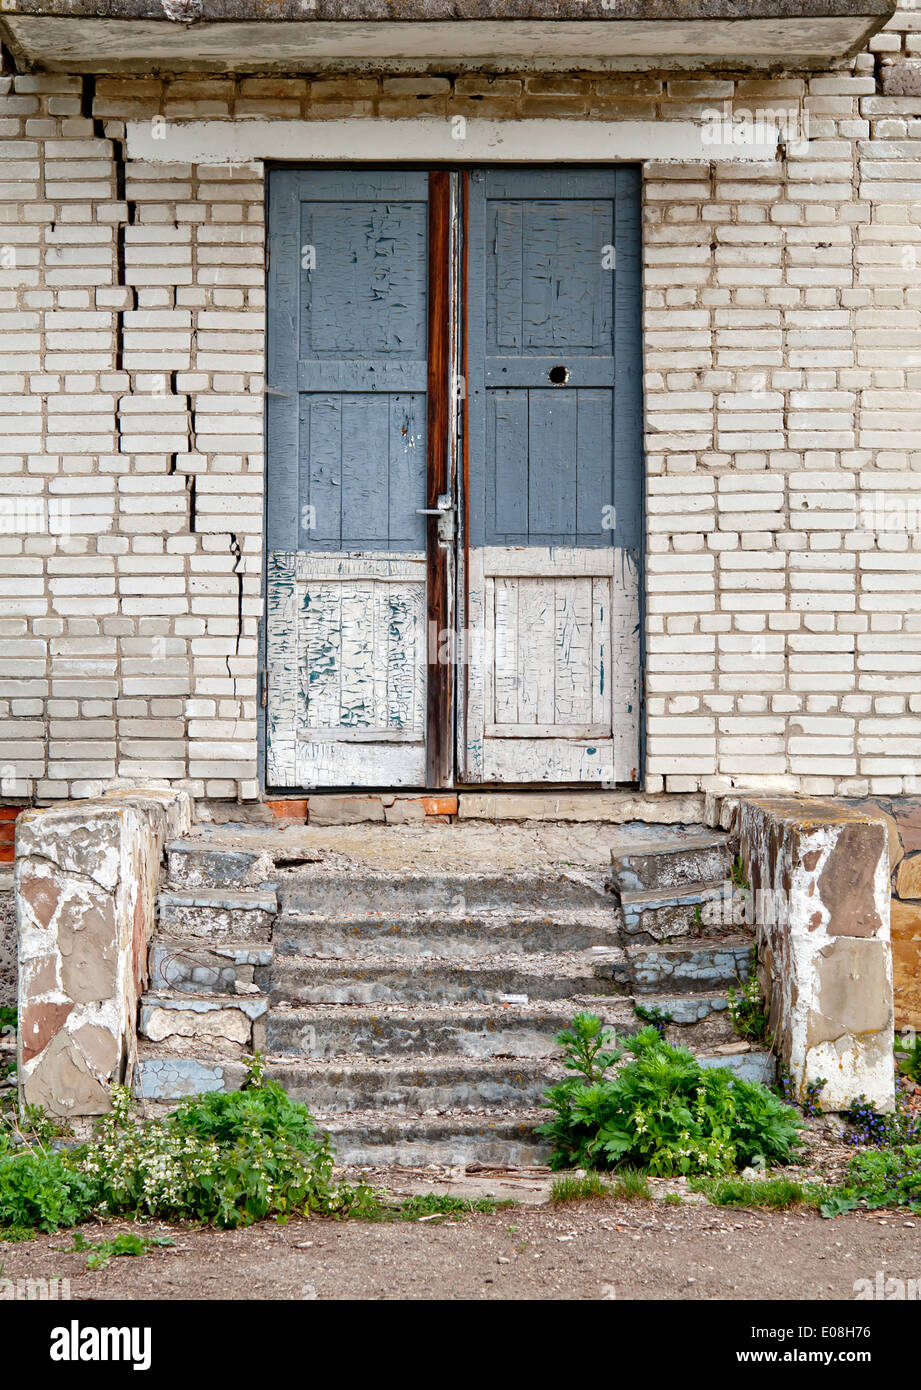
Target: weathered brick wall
[[783, 363]]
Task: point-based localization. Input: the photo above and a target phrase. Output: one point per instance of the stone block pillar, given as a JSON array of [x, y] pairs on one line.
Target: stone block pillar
[[86, 885], [819, 878]]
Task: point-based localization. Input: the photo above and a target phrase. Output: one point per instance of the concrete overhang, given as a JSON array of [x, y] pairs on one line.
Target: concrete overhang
[[142, 36]]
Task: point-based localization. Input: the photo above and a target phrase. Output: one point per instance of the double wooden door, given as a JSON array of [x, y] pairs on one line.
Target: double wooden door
[[454, 494]]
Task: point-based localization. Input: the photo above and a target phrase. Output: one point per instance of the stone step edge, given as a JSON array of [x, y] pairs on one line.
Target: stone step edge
[[685, 895], [266, 900], [357, 1065], [237, 952], [297, 924], [205, 1071], [707, 839], [566, 963], [254, 1005], [550, 1012], [689, 945]]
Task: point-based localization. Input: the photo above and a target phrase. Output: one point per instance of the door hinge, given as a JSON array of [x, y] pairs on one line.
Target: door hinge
[[263, 687], [268, 255]]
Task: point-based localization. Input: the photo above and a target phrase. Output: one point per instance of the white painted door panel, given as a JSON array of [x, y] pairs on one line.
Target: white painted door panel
[[553, 683]]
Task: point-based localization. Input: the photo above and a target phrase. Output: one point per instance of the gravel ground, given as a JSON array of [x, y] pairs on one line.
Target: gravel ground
[[603, 1249]]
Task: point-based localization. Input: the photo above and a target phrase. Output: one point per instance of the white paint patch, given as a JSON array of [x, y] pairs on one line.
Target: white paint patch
[[347, 670], [430, 140], [553, 665]]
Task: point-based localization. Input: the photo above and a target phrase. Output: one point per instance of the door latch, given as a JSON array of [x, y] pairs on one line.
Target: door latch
[[444, 510]]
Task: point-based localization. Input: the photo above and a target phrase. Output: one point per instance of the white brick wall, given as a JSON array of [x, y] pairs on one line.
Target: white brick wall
[[783, 427]]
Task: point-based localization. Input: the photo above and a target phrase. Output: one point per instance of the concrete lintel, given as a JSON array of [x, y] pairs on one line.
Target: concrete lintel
[[456, 11], [298, 35], [434, 141]]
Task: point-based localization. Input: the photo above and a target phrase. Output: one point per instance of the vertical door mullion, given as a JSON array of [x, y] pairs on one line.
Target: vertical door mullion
[[439, 567]]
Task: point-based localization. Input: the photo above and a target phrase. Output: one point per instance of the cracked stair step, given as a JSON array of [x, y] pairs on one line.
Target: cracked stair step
[[216, 912], [339, 895], [195, 863], [475, 1031], [698, 965], [369, 980], [443, 937], [470, 1030], [206, 967], [700, 859], [390, 1138]]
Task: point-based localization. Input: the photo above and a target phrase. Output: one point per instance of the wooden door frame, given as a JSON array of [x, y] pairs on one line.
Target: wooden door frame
[[441, 435], [624, 480], [447, 469]]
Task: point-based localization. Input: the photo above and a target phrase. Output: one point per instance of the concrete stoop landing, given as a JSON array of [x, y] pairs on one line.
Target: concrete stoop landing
[[407, 982]]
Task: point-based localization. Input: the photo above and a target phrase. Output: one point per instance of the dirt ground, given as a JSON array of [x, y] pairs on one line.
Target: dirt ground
[[602, 1249]]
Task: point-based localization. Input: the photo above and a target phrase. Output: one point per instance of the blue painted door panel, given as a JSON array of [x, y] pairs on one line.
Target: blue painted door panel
[[554, 282], [347, 346], [554, 501], [346, 436]]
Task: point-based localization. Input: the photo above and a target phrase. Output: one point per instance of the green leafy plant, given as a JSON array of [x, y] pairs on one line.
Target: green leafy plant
[[909, 1059], [656, 1018], [42, 1191], [229, 1159], [226, 1159], [737, 874], [661, 1112], [586, 1048], [99, 1253], [887, 1177], [746, 1007]]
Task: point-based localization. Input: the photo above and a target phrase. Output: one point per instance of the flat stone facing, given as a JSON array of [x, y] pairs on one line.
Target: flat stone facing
[[86, 883], [171, 1078], [614, 808], [906, 959], [747, 1066], [819, 878], [208, 1019], [902, 817]]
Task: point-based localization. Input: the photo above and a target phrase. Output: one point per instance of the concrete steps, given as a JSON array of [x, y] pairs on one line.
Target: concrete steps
[[415, 1013], [487, 980], [706, 858], [440, 937], [698, 964], [217, 913], [396, 1137]]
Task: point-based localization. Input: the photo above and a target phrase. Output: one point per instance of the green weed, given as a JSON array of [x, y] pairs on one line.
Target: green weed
[[662, 1112]]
